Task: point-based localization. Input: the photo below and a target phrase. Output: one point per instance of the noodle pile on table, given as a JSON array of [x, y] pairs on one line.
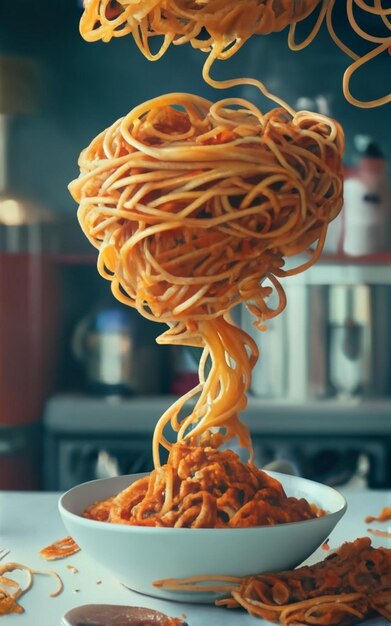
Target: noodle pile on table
[[203, 488], [230, 23], [192, 205], [350, 585]]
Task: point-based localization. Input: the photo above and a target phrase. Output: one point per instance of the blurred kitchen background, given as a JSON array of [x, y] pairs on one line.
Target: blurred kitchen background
[[82, 381]]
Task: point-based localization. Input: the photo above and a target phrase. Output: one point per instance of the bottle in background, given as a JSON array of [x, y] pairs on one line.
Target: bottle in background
[[366, 207]]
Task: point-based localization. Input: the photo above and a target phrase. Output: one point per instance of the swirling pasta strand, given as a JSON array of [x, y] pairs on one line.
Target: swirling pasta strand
[[192, 206]]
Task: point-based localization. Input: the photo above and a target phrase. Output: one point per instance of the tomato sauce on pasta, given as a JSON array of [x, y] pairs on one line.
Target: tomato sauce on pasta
[[203, 487]]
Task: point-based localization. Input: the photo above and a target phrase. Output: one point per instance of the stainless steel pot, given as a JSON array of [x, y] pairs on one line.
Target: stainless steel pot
[[118, 352]]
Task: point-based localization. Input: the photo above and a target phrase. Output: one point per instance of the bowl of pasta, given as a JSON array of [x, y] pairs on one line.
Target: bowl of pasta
[[155, 532]]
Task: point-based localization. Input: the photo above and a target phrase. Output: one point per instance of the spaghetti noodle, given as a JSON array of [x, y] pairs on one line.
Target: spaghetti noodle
[[384, 516], [59, 549], [192, 205], [11, 591], [229, 24], [350, 585], [379, 44]]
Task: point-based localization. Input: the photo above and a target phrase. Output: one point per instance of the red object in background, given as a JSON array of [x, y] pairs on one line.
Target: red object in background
[[28, 335], [185, 362], [18, 472], [184, 382], [19, 458]]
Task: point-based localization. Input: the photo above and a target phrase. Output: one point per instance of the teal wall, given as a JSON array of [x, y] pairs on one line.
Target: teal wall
[[88, 86]]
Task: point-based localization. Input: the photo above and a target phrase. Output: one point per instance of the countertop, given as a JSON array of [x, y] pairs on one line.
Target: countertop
[[79, 413], [30, 521]]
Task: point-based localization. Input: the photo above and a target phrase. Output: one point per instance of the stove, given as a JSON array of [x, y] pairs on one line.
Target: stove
[[336, 443]]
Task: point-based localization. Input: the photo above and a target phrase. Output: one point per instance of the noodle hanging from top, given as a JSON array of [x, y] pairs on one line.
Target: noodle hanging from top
[[192, 205], [230, 23]]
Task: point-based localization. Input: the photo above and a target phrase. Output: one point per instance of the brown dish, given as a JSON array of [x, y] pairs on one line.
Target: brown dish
[[118, 615]]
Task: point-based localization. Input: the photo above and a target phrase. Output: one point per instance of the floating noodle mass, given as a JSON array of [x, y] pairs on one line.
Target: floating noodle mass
[[203, 488], [192, 205], [349, 586], [228, 24]]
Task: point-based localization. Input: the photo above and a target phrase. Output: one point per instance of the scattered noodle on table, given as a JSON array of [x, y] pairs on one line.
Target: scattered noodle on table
[[59, 549], [386, 534], [384, 516], [11, 591]]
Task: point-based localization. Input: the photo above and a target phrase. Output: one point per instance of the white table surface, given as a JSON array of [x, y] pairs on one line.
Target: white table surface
[[30, 521]]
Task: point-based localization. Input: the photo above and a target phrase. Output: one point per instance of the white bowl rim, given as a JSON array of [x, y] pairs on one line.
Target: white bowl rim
[[126, 528]]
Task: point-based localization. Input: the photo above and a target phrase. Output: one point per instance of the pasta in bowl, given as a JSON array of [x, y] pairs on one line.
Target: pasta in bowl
[[140, 555], [192, 206]]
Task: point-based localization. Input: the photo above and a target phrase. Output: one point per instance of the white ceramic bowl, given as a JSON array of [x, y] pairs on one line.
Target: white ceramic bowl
[[138, 555]]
